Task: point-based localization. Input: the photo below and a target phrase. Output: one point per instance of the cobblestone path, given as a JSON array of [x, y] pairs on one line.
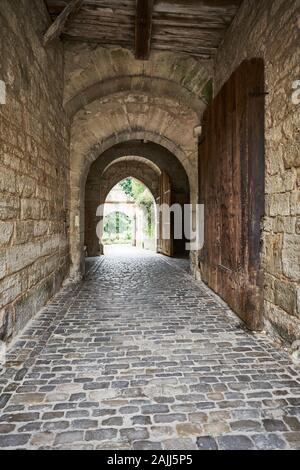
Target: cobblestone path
[[141, 356]]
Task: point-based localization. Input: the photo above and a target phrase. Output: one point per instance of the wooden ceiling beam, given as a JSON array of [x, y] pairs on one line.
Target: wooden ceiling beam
[[143, 29], [57, 27]]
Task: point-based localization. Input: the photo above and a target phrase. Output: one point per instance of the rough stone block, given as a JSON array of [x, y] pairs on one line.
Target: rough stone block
[[20, 256], [6, 231], [285, 296], [23, 232], [10, 288], [272, 261], [7, 180], [30, 209], [291, 256], [9, 207], [295, 202], [6, 322], [278, 204]]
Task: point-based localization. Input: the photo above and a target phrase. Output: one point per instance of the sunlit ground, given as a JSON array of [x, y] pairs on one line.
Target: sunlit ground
[[117, 251]]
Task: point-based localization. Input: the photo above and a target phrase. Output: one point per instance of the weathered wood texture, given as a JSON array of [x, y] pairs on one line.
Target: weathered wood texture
[[165, 244], [60, 21], [231, 186], [191, 26]]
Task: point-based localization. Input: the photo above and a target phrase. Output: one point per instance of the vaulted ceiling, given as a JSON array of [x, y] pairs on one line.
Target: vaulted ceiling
[[196, 27]]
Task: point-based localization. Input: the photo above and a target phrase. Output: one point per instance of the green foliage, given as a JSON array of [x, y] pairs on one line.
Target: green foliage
[[137, 190], [117, 226], [126, 185], [143, 197]]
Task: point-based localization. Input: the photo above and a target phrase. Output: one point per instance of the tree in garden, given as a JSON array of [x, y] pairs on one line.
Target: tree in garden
[[143, 197]]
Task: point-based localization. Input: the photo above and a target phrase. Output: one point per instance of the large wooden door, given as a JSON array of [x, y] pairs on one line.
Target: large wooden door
[[165, 225], [231, 187]]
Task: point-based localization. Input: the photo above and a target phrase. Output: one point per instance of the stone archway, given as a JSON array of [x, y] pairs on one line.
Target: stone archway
[[112, 99], [116, 163], [92, 71], [157, 148], [136, 167], [154, 86], [99, 184]]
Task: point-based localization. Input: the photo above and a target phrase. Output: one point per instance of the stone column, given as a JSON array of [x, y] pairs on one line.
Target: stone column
[[92, 202]]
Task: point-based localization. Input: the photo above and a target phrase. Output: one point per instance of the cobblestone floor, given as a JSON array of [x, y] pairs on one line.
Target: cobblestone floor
[[141, 356]]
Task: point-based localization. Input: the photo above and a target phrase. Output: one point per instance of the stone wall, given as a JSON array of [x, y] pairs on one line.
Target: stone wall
[[34, 162], [270, 30]]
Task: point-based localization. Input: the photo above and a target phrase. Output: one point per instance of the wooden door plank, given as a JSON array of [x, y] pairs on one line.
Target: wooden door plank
[[231, 186]]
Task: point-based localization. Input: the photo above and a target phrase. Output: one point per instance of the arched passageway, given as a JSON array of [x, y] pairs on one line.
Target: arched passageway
[[142, 160], [128, 216], [103, 126], [159, 150]]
